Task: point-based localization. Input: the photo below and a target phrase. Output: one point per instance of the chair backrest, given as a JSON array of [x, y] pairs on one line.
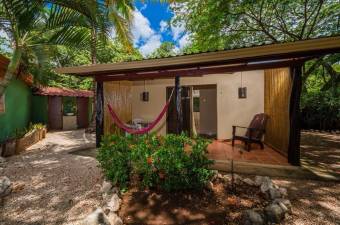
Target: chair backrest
[[259, 122]]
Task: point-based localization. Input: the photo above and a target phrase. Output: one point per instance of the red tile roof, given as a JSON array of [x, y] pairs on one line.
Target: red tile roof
[[55, 91]]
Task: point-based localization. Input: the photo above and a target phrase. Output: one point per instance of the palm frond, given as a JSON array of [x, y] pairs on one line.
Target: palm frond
[[71, 36]]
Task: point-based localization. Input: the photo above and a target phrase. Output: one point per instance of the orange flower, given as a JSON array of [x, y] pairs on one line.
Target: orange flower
[[149, 160]]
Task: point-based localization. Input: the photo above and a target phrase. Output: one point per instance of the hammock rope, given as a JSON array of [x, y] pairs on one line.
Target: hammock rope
[[143, 130]]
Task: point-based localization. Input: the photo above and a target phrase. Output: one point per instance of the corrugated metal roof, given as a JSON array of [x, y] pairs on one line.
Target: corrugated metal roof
[[286, 50], [55, 91]]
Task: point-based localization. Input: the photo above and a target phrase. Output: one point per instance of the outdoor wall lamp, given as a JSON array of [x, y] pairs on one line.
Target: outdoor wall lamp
[[242, 91], [145, 95]]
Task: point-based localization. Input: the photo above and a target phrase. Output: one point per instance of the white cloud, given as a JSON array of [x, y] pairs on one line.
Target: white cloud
[[151, 45], [141, 28], [163, 26], [177, 30], [184, 41], [143, 7]]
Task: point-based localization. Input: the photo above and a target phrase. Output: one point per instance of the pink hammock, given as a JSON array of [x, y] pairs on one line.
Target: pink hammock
[[144, 130]]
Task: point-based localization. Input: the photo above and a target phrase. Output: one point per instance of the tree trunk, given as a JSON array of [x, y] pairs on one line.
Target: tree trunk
[[11, 70]]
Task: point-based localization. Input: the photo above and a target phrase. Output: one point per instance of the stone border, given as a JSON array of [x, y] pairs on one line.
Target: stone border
[[108, 214], [275, 212]]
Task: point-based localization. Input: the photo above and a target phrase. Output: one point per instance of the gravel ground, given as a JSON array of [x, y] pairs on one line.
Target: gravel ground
[[54, 187], [313, 202], [316, 202], [51, 186]]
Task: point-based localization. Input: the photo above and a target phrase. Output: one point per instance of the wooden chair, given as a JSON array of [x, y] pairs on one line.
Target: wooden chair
[[254, 132]]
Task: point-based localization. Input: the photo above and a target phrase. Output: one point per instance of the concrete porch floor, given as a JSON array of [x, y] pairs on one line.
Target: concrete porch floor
[[222, 150]]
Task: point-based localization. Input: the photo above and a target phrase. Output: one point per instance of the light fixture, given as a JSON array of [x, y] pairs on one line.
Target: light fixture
[[242, 91], [145, 95]]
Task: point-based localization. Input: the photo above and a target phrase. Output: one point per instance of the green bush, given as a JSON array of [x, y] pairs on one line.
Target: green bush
[[172, 162], [114, 158]]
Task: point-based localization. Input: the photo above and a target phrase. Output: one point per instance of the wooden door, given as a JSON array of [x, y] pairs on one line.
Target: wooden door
[[55, 113], [82, 112], [172, 114]]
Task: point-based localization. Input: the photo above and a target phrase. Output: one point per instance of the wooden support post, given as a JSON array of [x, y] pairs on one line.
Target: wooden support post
[[99, 113], [295, 116], [178, 99]]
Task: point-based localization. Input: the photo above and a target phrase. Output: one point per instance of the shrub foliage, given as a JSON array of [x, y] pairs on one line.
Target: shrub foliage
[[172, 162]]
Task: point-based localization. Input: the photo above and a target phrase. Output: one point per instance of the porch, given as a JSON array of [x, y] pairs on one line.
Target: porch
[[223, 151]]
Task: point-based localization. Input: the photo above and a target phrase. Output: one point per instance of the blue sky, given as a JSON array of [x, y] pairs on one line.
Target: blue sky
[[151, 27]]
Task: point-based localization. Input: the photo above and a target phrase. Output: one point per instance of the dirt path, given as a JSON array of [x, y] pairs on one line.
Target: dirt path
[[50, 185]]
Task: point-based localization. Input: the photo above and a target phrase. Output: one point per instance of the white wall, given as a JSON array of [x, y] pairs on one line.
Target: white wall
[[230, 109]]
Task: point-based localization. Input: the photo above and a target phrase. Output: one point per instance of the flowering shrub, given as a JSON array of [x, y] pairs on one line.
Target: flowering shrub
[[114, 158], [171, 162]]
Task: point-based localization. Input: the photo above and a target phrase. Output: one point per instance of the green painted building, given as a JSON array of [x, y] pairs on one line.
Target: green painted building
[[16, 115], [22, 104]]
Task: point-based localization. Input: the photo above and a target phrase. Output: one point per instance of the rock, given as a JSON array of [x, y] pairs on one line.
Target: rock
[[216, 175], [106, 197], [251, 217], [283, 192], [274, 213], [237, 179], [266, 185], [114, 203], [5, 186], [97, 217], [106, 187], [226, 178], [115, 219], [285, 204], [274, 193], [219, 176], [215, 172], [115, 190], [2, 161], [210, 186], [258, 180], [249, 181]]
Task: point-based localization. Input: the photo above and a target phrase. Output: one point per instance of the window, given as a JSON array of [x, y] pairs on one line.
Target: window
[[2, 103], [70, 106]]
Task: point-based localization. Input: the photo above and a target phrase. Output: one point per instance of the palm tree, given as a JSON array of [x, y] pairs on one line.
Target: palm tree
[[34, 26], [111, 14]]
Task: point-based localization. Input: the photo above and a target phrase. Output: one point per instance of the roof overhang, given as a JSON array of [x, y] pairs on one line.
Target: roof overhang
[[265, 56], [66, 92]]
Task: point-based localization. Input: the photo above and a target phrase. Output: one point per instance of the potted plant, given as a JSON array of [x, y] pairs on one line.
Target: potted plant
[[20, 141], [43, 131]]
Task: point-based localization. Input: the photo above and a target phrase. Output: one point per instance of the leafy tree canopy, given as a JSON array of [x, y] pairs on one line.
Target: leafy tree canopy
[[62, 56], [227, 24], [219, 24], [165, 50]]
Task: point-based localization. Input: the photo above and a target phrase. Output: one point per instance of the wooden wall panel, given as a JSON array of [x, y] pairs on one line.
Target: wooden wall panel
[[119, 96], [276, 105]]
